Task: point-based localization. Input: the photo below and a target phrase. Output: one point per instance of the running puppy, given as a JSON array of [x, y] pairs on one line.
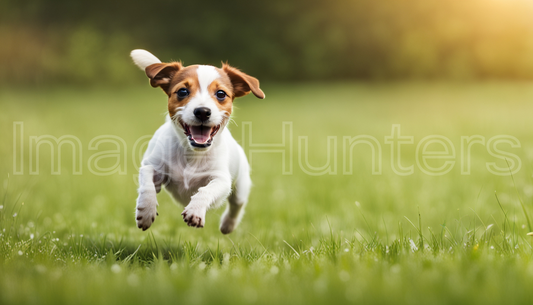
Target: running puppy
[[193, 155]]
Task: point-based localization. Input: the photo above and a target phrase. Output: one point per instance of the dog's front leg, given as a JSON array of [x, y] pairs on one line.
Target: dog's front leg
[[208, 196], [147, 202]]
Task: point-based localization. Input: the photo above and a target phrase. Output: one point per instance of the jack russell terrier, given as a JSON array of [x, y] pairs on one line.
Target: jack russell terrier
[[193, 155]]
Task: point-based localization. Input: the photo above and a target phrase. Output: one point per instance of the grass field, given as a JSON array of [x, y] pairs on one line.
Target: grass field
[[365, 238]]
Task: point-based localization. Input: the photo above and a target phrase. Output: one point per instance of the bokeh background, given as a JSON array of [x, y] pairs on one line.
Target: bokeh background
[[45, 41]]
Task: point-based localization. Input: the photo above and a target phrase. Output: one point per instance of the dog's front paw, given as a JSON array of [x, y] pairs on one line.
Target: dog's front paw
[[194, 216], [145, 214]]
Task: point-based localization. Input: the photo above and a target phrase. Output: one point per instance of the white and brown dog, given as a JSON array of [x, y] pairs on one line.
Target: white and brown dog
[[193, 155]]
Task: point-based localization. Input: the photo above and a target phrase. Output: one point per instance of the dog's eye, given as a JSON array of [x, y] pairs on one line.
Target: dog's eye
[[182, 93], [221, 95]]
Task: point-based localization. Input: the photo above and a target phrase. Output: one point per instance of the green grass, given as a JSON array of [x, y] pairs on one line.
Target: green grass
[[359, 238]]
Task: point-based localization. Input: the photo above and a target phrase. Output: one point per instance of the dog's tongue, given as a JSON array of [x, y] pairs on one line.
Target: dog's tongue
[[200, 134]]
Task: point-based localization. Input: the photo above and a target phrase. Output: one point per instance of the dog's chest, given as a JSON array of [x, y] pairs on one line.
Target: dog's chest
[[186, 177]]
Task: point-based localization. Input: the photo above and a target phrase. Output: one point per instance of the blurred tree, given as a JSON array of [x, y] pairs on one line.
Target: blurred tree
[[89, 41]]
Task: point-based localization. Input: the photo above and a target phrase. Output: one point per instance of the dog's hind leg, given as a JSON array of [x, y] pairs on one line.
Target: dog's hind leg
[[236, 202]]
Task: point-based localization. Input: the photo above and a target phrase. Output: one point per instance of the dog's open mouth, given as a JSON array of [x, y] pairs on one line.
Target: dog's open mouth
[[200, 136]]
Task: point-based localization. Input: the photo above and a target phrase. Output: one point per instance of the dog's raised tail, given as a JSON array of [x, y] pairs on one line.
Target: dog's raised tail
[[143, 58]]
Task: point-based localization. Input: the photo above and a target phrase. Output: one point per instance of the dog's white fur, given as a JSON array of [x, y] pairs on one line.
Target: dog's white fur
[[200, 179], [143, 58]]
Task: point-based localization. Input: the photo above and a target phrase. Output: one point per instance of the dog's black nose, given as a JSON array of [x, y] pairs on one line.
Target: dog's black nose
[[202, 113]]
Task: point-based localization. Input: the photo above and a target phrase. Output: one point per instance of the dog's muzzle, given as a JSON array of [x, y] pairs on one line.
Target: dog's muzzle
[[200, 136]]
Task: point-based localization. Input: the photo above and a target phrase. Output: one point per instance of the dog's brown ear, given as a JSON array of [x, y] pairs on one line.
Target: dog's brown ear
[[242, 82], [161, 74]]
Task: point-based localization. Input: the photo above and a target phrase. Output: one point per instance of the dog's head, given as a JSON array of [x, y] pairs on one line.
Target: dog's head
[[200, 97]]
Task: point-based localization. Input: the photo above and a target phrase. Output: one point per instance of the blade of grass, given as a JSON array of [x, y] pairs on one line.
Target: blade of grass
[[520, 198]]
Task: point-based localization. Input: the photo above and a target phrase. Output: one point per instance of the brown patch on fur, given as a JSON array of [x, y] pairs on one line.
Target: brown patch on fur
[[242, 82], [185, 78], [161, 74], [219, 84]]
